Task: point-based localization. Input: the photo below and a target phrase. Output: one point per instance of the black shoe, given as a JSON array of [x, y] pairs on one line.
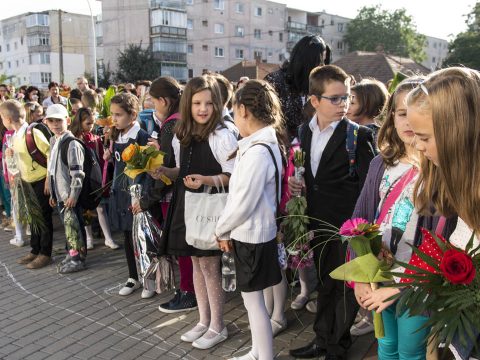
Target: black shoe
[[312, 350], [174, 300], [186, 302]]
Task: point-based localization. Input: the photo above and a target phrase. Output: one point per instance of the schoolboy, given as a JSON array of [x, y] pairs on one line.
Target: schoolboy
[[66, 180], [331, 192], [32, 174]]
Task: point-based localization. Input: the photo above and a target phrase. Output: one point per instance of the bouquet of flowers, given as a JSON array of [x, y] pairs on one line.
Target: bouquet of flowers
[[443, 280], [295, 225], [140, 159], [371, 262]]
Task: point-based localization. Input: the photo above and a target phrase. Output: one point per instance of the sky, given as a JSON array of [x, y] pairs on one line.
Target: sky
[[439, 18]]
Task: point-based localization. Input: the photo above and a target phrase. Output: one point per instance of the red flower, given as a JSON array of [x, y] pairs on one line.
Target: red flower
[[351, 227], [457, 267]]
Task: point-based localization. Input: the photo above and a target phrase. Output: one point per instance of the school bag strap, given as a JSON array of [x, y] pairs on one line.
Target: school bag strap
[[33, 150], [351, 144]]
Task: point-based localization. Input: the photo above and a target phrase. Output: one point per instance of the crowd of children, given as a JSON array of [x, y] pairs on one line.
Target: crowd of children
[[407, 170]]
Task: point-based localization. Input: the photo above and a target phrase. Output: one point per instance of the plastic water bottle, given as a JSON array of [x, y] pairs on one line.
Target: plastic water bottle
[[229, 275]]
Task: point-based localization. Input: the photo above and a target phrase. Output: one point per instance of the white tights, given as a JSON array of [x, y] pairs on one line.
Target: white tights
[[275, 298], [260, 326], [102, 219]]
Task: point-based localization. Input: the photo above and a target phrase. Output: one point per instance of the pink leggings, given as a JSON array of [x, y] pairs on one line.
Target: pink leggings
[[186, 273]]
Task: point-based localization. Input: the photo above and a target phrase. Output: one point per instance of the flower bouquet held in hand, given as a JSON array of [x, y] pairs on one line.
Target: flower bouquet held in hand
[[371, 260], [295, 224], [443, 280], [105, 119], [155, 273]]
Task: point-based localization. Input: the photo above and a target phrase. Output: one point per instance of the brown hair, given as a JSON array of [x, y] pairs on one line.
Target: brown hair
[[169, 88], [30, 108], [90, 99], [129, 103], [226, 88], [391, 147], [322, 75], [13, 109], [451, 96], [76, 125], [186, 128], [371, 95], [261, 100]]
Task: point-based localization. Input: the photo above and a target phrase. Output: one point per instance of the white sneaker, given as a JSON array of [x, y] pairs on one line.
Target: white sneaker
[[299, 302], [89, 244], [147, 294], [364, 326], [204, 343], [112, 244], [28, 231], [194, 334], [278, 327], [130, 286], [17, 242], [312, 306], [247, 356]]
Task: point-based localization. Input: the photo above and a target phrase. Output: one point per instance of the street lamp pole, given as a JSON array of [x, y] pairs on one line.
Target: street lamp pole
[[60, 45], [95, 74]]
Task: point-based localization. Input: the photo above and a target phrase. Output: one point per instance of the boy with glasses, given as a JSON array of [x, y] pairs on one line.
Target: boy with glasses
[[332, 189]]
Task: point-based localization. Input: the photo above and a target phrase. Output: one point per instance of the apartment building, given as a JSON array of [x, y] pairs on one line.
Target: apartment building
[[35, 50], [436, 51]]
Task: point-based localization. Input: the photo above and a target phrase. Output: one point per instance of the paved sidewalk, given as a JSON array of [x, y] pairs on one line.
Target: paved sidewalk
[[46, 315]]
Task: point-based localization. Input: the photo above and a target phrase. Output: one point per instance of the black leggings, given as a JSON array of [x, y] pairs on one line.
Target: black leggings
[[129, 254]]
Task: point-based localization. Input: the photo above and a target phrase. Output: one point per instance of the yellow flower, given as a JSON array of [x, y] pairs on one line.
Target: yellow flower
[[129, 153]]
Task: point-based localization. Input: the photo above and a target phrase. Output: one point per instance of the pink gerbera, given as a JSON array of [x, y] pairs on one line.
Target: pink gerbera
[[351, 227]]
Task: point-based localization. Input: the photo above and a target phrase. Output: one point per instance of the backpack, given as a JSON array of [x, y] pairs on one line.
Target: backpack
[[91, 193], [32, 147], [351, 144]]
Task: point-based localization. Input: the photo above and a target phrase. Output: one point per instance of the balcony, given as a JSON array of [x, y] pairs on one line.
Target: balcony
[[298, 27], [170, 56], [38, 29], [169, 31], [168, 4], [38, 49]]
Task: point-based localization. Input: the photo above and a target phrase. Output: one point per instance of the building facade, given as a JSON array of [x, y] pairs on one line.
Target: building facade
[[35, 50], [436, 51]]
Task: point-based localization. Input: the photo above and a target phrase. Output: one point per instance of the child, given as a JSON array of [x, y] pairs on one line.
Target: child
[[165, 93], [76, 105], [81, 128], [32, 173], [204, 150], [368, 98], [249, 219], [444, 113], [331, 193], [126, 131], [34, 112], [65, 182], [387, 199]]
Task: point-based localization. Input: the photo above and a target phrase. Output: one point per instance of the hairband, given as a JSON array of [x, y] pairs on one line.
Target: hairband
[[424, 89]]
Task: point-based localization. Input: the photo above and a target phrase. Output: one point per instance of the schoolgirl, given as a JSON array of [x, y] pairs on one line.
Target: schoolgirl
[[204, 145], [249, 219]]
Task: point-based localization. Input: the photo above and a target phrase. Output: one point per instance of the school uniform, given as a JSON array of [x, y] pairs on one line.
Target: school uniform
[[331, 194], [249, 218], [208, 158]]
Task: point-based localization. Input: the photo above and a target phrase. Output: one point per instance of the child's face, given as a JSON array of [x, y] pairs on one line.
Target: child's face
[[353, 108], [325, 109], [202, 107], [87, 124], [402, 126], [76, 107], [121, 119], [421, 123], [57, 126], [38, 113], [160, 104]]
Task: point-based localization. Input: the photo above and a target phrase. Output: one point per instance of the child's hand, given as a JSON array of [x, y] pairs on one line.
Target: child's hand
[[52, 202], [70, 203], [361, 291], [107, 154], [46, 189], [225, 245], [153, 142], [294, 186], [193, 181], [376, 300], [157, 173], [136, 208], [8, 152]]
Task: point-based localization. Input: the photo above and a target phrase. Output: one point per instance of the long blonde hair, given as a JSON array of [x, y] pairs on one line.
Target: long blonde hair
[[453, 187]]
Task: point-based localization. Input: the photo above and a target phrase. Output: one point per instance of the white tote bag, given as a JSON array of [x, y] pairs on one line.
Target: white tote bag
[[202, 211]]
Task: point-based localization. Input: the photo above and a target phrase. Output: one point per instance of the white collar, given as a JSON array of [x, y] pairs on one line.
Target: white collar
[[313, 124], [130, 134]]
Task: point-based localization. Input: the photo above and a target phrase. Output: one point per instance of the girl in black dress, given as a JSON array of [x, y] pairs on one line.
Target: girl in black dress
[[203, 145]]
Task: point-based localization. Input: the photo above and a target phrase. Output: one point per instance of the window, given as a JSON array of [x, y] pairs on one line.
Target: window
[[219, 4], [9, 64], [239, 31], [0, 48], [219, 29], [46, 77], [257, 33], [239, 8], [190, 48], [205, 47], [190, 73], [257, 54], [434, 45], [340, 27], [37, 20], [168, 18], [433, 59], [8, 47], [218, 51], [169, 45], [21, 40], [38, 40], [281, 57], [39, 58], [238, 53], [17, 63], [189, 24], [15, 45], [280, 37], [205, 23], [1, 66], [340, 45], [258, 11], [270, 11], [189, 2]]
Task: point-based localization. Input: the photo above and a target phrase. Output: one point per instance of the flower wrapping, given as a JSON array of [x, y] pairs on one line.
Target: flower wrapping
[[140, 159]]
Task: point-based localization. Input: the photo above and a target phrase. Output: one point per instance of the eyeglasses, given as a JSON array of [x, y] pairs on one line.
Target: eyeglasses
[[336, 100]]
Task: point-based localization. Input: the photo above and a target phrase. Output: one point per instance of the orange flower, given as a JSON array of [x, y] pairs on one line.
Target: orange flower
[[108, 121], [129, 153]]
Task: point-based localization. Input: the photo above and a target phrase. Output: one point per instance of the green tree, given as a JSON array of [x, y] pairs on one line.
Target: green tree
[[394, 32], [136, 63], [465, 48]]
